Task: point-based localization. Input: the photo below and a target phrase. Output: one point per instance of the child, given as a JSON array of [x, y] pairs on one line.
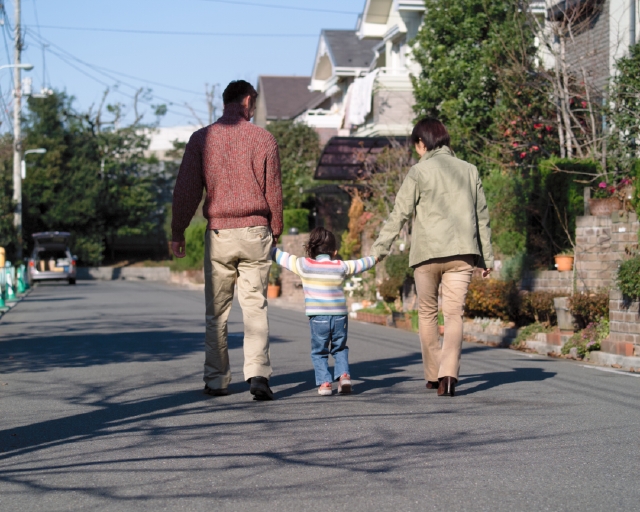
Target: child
[[322, 277]]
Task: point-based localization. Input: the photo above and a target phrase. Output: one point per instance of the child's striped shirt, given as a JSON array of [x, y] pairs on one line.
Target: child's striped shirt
[[322, 279]]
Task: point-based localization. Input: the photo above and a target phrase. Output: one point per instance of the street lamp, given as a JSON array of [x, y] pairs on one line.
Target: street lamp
[[26, 67], [23, 163]]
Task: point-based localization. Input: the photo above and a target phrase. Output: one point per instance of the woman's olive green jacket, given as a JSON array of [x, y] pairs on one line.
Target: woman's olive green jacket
[[451, 211]]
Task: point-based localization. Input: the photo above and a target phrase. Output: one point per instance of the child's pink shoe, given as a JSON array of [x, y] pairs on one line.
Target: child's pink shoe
[[344, 386], [325, 389]]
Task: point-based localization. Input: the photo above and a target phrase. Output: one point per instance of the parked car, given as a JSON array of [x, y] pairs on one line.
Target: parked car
[[51, 258]]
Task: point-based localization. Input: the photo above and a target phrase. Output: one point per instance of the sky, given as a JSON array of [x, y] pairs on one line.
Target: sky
[[252, 39]]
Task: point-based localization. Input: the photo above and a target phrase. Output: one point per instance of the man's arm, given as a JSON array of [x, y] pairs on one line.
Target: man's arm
[[187, 193], [273, 193], [405, 204]]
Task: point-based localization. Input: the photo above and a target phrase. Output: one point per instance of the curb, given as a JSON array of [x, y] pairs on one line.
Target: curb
[[624, 362]]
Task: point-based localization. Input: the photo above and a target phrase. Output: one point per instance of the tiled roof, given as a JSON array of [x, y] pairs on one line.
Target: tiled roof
[[287, 96], [347, 50]]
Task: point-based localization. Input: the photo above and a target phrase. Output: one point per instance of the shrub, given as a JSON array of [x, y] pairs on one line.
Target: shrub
[[391, 288], [589, 308], [629, 278], [397, 266], [538, 306], [492, 298], [526, 332], [296, 218], [274, 274], [194, 248], [588, 339]]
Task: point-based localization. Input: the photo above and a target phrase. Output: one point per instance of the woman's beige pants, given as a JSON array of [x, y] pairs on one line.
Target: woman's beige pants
[[239, 255], [454, 273]]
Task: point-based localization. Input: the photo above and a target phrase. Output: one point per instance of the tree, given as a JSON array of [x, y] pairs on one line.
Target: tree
[[8, 237], [459, 48], [299, 152], [94, 180]]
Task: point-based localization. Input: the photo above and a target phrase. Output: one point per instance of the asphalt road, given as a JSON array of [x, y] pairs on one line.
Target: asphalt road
[[101, 409]]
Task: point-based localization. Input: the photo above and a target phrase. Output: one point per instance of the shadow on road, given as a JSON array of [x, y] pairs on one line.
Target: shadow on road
[[493, 379]]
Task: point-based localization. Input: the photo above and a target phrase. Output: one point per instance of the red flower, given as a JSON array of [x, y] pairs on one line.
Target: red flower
[[523, 154], [537, 126], [549, 128], [602, 184], [514, 144], [584, 104], [535, 148]]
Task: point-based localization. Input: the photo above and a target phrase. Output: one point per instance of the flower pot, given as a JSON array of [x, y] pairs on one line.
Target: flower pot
[[564, 263], [604, 207], [273, 291], [441, 330]]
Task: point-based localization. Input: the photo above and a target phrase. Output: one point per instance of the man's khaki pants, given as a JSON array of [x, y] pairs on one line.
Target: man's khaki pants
[[455, 275], [239, 255]]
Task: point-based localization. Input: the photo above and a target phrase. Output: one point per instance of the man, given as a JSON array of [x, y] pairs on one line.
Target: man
[[238, 165]]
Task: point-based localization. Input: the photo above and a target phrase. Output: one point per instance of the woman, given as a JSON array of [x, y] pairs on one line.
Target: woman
[[450, 236]]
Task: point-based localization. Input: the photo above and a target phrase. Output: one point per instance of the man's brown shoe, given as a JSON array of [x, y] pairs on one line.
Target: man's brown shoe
[[447, 386], [431, 384]]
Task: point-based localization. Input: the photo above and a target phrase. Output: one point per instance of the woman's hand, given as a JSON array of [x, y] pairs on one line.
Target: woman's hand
[[486, 272]]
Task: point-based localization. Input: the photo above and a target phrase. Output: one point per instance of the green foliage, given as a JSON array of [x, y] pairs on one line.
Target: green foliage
[[589, 307], [7, 231], [589, 339], [628, 278], [460, 47], [299, 146], [624, 112], [94, 180], [296, 218], [492, 298], [504, 193], [397, 266], [274, 274], [528, 331], [391, 289], [194, 247]]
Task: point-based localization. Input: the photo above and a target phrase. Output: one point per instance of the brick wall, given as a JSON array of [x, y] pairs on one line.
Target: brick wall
[[600, 247], [624, 325], [291, 283], [548, 281]]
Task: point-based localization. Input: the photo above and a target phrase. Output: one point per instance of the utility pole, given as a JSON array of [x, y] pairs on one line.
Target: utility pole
[[17, 143]]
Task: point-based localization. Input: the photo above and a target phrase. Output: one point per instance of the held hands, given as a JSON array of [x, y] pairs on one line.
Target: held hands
[[486, 272], [178, 249]]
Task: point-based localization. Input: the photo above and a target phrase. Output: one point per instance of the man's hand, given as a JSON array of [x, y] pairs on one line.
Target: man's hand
[[486, 272], [275, 241], [178, 249]]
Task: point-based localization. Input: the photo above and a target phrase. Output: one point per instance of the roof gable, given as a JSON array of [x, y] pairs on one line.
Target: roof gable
[[287, 96]]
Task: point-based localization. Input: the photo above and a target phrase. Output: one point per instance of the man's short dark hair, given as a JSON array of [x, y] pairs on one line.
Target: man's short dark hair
[[238, 90], [432, 133]]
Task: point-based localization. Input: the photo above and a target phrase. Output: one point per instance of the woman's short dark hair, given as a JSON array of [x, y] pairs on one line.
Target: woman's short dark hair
[[238, 90], [432, 133], [321, 241]]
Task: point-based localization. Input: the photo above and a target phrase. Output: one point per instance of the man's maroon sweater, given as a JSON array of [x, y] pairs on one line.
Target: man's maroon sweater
[[239, 166]]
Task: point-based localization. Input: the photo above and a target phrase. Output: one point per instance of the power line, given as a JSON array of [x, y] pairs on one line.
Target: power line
[[173, 33], [286, 7]]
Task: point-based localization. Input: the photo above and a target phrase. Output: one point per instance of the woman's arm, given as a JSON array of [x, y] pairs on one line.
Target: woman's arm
[[405, 204], [358, 266], [484, 227], [286, 260]]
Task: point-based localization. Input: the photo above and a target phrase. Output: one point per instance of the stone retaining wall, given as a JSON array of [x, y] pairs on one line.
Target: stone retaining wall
[[548, 281], [624, 326]]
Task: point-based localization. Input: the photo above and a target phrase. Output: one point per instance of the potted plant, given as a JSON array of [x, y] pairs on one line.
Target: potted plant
[[605, 200], [564, 261], [273, 290]]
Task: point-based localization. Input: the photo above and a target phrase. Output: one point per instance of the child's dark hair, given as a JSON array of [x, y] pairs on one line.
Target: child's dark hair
[[321, 241]]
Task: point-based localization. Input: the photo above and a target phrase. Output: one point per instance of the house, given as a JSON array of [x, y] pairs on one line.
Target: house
[[285, 98]]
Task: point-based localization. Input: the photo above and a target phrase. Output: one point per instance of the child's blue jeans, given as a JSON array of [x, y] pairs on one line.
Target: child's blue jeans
[[329, 336]]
